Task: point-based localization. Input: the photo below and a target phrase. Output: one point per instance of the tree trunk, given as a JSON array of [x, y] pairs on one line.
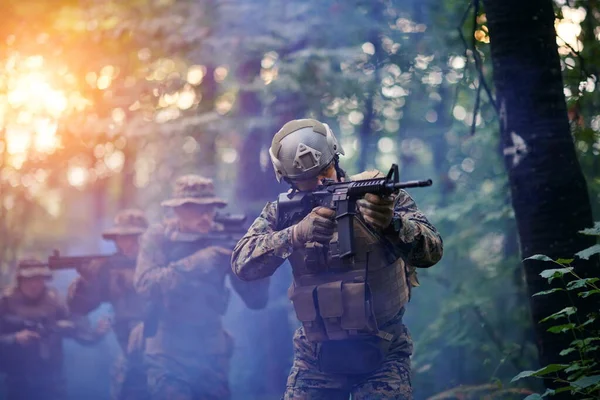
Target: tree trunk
[[549, 192]]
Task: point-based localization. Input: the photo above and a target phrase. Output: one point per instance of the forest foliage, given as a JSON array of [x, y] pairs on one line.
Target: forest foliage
[[104, 102]]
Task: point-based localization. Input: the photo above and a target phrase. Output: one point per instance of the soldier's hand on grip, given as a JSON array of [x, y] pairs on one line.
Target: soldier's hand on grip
[[318, 226], [207, 258], [26, 336], [377, 211], [91, 270]]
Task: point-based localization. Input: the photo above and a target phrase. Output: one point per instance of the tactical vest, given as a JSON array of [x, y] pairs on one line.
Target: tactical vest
[[182, 245], [350, 297], [128, 306], [44, 356]]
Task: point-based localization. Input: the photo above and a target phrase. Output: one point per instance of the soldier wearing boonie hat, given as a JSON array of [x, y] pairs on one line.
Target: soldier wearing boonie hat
[[32, 268], [182, 274], [194, 189], [111, 281], [33, 321]]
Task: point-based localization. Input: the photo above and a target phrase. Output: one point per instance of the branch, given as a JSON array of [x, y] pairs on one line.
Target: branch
[[484, 322]]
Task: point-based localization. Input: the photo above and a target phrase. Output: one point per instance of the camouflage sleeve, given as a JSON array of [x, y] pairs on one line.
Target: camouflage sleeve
[[417, 238], [76, 327], [254, 294], [151, 272], [262, 249], [85, 295], [6, 339], [82, 331]]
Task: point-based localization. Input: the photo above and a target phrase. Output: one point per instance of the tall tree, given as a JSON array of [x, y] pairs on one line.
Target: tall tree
[[549, 192]]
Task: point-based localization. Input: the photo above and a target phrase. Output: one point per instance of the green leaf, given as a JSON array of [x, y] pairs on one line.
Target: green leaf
[[565, 261], [589, 293], [540, 372], [539, 257], [548, 392], [549, 291], [524, 374], [563, 389], [590, 320], [586, 381], [548, 369], [574, 367], [534, 396], [590, 251], [561, 328], [567, 351], [595, 231], [579, 283], [555, 273], [565, 312]]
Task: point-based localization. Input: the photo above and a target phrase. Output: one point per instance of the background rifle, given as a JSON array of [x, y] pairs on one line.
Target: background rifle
[[42, 327], [56, 261], [341, 197]]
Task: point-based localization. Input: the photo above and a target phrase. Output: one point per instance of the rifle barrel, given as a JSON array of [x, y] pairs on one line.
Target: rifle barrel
[[411, 184]]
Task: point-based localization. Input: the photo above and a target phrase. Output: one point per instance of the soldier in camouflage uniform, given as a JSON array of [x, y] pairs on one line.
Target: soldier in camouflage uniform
[[352, 340], [111, 281], [182, 272], [33, 321]]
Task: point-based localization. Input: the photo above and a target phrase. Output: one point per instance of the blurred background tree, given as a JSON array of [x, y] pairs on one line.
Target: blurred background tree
[[104, 103]]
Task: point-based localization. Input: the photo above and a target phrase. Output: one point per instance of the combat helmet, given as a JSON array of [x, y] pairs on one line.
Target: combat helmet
[[302, 149]]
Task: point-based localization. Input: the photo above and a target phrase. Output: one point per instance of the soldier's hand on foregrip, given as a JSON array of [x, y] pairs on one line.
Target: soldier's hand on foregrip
[[26, 336], [318, 226], [90, 271], [206, 258], [377, 211]]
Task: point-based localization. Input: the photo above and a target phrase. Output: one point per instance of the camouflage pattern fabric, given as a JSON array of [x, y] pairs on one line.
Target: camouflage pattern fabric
[[106, 283], [35, 371], [48, 388], [263, 249], [390, 381], [170, 379], [128, 379], [188, 355]]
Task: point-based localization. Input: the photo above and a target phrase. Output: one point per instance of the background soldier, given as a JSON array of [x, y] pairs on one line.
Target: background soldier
[[111, 281], [33, 321], [352, 339], [182, 271]]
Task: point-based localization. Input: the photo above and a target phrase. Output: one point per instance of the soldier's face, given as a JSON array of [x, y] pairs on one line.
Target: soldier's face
[[33, 288], [128, 245], [195, 217], [311, 184]]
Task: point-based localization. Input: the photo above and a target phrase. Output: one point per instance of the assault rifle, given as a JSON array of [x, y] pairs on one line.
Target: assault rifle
[[341, 197], [56, 261], [44, 328], [233, 230]]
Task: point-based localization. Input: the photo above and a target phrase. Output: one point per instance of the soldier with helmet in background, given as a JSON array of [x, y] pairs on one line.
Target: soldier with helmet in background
[[33, 321], [352, 340], [110, 280], [181, 271]]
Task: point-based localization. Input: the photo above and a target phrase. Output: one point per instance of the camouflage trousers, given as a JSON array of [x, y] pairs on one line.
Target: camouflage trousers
[[53, 388], [128, 380], [390, 381], [195, 378]]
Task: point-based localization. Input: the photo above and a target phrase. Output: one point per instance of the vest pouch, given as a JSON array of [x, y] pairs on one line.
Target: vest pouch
[[331, 309], [358, 313], [303, 300], [351, 356]]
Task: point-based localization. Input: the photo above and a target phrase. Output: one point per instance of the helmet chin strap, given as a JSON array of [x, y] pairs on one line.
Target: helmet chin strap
[[338, 170]]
